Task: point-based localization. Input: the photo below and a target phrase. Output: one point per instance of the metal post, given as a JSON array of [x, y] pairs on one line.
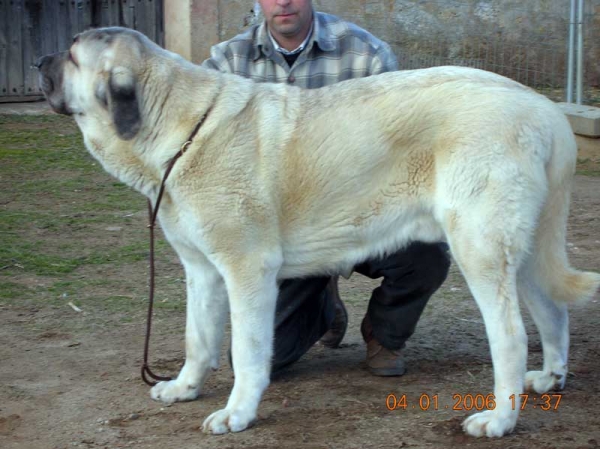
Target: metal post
[[580, 53], [571, 52]]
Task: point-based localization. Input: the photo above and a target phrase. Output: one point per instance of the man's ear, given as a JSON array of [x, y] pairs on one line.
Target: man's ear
[[123, 102]]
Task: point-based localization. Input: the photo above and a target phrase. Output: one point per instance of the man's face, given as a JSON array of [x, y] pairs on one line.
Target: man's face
[[288, 18]]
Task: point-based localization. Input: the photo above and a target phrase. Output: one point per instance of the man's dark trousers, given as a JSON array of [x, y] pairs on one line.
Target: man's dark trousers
[[305, 310]]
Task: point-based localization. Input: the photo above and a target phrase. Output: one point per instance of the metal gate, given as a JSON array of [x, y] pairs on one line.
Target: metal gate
[[32, 28]]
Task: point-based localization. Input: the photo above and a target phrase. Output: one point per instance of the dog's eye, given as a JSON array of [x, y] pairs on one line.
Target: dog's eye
[[75, 38]]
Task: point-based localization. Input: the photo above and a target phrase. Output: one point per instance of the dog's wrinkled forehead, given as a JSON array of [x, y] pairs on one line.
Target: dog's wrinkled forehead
[[112, 43]]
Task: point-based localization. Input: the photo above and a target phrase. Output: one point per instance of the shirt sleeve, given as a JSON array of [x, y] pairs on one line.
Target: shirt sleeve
[[384, 61], [218, 60]]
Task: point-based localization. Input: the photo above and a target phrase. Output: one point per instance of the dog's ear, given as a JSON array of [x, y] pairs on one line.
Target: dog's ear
[[123, 102]]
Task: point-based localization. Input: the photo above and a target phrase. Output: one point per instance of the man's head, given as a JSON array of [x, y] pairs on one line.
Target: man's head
[[288, 20]]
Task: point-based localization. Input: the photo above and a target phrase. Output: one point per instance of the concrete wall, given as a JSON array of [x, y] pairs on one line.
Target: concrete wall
[[520, 39], [513, 37]]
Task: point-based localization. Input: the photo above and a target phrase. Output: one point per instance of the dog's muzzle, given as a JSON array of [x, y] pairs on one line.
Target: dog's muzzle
[[51, 69]]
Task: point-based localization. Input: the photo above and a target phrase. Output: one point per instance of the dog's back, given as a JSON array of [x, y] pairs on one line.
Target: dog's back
[[375, 163]]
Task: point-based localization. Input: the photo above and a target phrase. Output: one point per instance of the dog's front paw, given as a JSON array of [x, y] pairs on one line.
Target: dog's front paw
[[489, 423], [226, 420], [174, 391], [543, 381]]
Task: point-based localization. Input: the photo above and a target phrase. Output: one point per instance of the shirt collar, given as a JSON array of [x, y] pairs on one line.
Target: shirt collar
[[321, 35], [300, 47]]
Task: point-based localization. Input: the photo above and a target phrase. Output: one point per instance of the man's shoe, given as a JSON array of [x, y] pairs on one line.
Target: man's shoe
[[384, 362], [334, 336], [381, 361]]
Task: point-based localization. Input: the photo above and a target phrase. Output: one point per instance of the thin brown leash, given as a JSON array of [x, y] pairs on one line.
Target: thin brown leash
[[152, 213]]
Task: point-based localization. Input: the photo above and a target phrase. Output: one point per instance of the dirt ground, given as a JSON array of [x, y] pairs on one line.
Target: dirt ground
[[70, 379]]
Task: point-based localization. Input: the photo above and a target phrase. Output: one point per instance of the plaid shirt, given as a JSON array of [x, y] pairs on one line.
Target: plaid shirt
[[336, 51]]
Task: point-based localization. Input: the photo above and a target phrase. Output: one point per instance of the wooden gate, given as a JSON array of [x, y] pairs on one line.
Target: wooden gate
[[32, 28]]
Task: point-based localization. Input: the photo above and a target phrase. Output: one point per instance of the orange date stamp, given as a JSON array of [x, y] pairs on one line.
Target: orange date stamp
[[469, 402]]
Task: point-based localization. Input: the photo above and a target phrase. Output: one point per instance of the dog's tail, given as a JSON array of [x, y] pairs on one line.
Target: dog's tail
[[561, 282]]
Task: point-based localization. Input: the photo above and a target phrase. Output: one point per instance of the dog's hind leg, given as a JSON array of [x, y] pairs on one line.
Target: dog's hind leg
[[205, 324], [489, 252], [547, 283], [252, 288], [495, 292], [552, 321]]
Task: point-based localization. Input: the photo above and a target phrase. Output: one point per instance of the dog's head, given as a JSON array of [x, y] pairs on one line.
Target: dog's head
[[98, 76]]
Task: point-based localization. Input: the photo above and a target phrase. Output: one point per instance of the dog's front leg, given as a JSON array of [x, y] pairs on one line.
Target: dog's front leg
[[205, 323], [252, 290]]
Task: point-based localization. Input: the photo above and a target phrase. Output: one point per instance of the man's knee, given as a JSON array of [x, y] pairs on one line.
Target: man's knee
[[411, 275], [410, 278], [429, 262]]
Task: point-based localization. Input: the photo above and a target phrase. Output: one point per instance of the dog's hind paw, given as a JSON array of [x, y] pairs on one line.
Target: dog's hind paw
[[226, 420], [489, 423], [173, 391], [543, 381]]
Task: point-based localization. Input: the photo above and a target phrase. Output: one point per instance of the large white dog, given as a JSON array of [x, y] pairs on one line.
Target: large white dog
[[281, 182]]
